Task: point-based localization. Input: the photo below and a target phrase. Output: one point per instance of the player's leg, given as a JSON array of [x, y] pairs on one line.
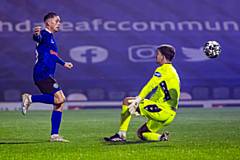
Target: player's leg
[[28, 99], [158, 118], [124, 123], [48, 87], [125, 115], [56, 118], [149, 132], [156, 111], [52, 94]]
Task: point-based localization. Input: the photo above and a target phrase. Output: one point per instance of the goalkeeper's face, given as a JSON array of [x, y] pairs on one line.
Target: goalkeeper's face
[[159, 57]]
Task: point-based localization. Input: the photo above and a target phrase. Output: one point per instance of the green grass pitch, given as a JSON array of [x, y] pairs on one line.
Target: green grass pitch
[[212, 134]]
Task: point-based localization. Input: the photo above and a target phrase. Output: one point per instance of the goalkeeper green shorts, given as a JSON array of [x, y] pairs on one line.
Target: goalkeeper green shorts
[[158, 115]]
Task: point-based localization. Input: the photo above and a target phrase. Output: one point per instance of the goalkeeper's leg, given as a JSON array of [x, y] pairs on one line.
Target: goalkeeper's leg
[[149, 130], [124, 123], [158, 117], [156, 112], [125, 115]]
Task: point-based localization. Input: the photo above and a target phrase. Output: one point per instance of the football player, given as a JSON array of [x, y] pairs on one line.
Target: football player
[[47, 56], [160, 109]]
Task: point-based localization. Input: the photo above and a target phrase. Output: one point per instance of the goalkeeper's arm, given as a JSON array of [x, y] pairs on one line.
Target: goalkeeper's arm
[[152, 83]]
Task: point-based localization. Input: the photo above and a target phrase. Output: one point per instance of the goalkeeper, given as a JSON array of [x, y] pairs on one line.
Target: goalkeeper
[[160, 109]]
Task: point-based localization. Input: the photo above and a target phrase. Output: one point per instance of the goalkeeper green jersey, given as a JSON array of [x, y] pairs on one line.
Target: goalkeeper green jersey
[[167, 83]]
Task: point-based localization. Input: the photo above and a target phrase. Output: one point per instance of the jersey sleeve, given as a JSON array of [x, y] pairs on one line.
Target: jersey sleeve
[[151, 84], [56, 57]]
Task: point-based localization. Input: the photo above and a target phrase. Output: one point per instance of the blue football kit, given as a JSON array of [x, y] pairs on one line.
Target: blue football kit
[[46, 59], [43, 74], [47, 55]]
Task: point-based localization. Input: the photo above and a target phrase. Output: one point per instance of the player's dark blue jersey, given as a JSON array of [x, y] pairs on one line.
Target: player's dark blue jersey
[[47, 56]]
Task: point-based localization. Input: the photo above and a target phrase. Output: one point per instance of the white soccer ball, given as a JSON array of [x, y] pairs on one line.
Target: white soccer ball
[[212, 49]]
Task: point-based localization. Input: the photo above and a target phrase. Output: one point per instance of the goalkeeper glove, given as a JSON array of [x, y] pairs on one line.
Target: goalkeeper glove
[[134, 105]]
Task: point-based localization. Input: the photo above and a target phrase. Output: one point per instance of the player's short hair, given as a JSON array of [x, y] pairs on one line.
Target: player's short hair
[[49, 15], [167, 50]]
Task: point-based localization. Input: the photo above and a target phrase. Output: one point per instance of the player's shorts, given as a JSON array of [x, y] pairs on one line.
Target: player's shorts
[[158, 115], [48, 86]]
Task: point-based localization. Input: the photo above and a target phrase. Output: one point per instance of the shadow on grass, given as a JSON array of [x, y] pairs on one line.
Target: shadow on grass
[[2, 142]]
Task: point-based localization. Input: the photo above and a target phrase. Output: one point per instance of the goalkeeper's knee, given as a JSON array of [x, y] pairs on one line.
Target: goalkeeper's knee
[[142, 130]]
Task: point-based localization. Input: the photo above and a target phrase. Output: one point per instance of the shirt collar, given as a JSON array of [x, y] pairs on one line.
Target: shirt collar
[[48, 30]]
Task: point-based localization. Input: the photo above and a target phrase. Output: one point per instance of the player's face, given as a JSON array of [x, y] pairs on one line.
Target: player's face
[[159, 57], [54, 23]]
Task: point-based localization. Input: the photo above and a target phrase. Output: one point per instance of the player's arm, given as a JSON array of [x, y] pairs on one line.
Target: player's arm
[[59, 60], [151, 84], [37, 34]]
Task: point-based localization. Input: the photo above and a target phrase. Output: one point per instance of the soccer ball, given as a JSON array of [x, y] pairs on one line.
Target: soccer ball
[[212, 49]]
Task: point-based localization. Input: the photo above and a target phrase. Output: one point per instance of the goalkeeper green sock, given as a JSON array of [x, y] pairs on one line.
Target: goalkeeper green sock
[[125, 118], [149, 136]]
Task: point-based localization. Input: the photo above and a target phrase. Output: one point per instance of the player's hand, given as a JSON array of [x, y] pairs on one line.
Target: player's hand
[[134, 105], [68, 65], [132, 109], [37, 30]]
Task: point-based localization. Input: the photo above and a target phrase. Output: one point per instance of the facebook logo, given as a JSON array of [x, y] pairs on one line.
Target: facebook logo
[[89, 54], [142, 53]]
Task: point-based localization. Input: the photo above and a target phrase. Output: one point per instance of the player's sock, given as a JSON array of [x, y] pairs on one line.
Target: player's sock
[[56, 121], [125, 118], [54, 135], [44, 98], [122, 134], [149, 136]]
